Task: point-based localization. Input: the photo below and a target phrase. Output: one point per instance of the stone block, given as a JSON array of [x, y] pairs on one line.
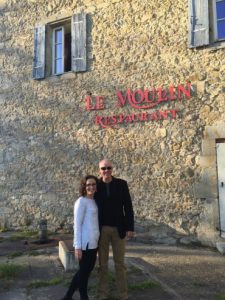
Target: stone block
[[2, 155], [209, 176], [68, 75], [3, 4], [200, 87], [208, 161], [205, 190], [215, 132], [188, 240], [209, 147], [221, 247], [66, 255], [2, 97]]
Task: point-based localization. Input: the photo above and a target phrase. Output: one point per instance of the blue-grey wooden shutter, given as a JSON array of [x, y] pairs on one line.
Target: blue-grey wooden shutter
[[79, 42], [198, 23], [39, 52]]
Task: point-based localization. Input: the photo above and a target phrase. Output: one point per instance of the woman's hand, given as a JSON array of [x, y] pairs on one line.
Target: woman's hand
[[78, 253], [129, 235]]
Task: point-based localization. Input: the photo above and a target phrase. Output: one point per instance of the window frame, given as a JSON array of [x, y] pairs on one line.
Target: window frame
[[54, 52], [215, 20]]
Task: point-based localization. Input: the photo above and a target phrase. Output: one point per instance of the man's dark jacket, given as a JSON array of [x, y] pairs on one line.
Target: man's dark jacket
[[122, 205]]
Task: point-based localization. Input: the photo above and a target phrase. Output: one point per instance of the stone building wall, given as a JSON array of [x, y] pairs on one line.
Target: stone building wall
[[49, 140]]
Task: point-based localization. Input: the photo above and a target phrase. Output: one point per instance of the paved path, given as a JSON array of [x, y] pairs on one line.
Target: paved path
[[183, 273]]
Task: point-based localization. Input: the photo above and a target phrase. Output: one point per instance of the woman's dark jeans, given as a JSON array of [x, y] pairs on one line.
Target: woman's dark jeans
[[80, 279]]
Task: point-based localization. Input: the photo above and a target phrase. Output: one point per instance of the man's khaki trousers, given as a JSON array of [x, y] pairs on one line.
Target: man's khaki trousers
[[109, 235]]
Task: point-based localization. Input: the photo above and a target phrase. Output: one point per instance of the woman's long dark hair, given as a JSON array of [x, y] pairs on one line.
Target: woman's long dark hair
[[82, 189]]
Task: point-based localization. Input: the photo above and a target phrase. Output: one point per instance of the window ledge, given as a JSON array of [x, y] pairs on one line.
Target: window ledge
[[216, 46], [210, 47], [67, 75]]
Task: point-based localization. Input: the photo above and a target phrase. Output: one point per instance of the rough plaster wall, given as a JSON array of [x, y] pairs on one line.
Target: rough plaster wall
[[48, 140]]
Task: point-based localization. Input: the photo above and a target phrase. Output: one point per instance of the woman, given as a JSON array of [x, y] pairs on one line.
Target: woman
[[86, 235]]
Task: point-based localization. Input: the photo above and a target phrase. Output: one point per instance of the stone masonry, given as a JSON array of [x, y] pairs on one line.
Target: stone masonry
[[48, 140]]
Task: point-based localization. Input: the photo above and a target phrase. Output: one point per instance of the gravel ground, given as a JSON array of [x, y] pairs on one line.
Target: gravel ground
[[180, 273]]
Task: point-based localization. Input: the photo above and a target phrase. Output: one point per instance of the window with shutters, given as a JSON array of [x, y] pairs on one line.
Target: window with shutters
[[206, 22], [60, 47]]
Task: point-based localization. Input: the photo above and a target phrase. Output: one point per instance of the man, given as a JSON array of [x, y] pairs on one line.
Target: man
[[116, 219]]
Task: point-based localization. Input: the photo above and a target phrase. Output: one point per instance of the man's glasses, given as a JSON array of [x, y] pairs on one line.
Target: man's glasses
[[90, 184], [106, 168]]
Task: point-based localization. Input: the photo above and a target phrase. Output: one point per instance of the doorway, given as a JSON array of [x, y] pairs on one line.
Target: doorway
[[220, 151]]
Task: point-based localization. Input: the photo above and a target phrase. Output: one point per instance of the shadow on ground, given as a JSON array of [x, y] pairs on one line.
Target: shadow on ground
[[156, 272]]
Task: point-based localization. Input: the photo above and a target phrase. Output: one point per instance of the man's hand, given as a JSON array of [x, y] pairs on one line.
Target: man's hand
[[129, 234], [78, 253]]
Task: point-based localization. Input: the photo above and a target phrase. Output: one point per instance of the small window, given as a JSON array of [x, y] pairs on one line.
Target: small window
[[60, 47], [219, 19], [61, 50], [58, 50]]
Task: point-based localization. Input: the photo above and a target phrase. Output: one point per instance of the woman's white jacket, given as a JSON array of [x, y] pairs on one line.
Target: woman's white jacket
[[86, 227]]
